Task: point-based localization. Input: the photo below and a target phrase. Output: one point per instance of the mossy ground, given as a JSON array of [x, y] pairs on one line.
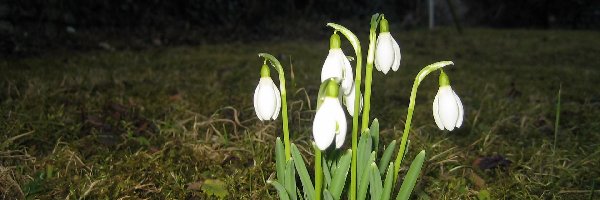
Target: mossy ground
[[156, 123]]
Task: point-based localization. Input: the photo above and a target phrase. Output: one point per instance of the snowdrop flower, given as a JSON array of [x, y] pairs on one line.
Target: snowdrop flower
[[337, 65], [349, 101], [387, 51], [447, 108], [330, 120], [267, 99]]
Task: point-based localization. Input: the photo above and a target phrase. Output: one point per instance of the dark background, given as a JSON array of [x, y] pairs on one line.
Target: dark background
[[34, 27]]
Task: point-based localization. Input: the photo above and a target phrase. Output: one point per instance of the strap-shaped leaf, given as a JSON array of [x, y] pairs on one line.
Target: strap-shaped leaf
[[338, 179], [283, 195], [327, 195], [326, 172], [364, 152], [387, 156], [375, 133], [388, 184], [375, 183], [364, 184], [411, 177], [290, 179], [307, 185], [280, 160]]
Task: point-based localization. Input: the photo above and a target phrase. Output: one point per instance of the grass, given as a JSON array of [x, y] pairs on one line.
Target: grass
[[158, 123]]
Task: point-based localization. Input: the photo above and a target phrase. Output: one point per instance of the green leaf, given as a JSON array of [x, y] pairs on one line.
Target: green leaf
[[364, 181], [375, 182], [363, 151], [387, 156], [411, 176], [307, 185], [327, 195], [339, 175], [388, 184], [290, 179], [215, 187], [375, 133], [280, 160], [283, 195], [326, 172]]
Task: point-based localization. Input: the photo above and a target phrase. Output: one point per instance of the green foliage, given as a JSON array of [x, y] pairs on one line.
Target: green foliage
[[411, 177], [215, 187], [307, 185]]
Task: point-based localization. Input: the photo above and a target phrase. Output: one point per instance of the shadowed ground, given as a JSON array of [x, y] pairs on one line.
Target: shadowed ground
[[158, 123]]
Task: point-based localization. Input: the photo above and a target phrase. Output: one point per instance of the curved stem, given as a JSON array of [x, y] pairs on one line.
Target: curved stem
[[411, 107], [286, 132], [357, 82], [369, 71]]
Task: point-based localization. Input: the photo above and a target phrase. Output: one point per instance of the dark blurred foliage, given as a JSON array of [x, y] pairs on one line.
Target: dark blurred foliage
[[30, 25]]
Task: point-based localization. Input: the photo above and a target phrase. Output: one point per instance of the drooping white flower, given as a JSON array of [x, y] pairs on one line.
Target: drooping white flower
[[349, 101], [330, 120], [447, 108], [387, 51], [267, 99], [337, 65]]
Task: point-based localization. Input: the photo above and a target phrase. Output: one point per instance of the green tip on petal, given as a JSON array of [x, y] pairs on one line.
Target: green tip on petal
[[333, 89], [444, 80], [264, 71], [383, 26], [334, 41]]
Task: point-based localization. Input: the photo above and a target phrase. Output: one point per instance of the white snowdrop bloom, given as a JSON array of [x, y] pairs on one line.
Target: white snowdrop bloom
[[330, 120], [267, 99], [447, 108], [387, 51], [349, 101], [337, 65]]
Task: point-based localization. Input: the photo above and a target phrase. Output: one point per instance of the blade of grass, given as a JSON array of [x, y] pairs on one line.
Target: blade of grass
[[283, 195], [387, 156], [388, 183], [411, 177], [280, 160], [339, 175], [307, 186], [290, 179], [375, 183]]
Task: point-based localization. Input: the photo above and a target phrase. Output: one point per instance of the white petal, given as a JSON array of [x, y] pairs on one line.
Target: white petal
[[397, 55], [278, 101], [460, 110], [348, 75], [384, 52], [349, 102], [448, 109], [256, 102], [332, 67], [267, 99], [324, 124], [340, 118], [436, 112]]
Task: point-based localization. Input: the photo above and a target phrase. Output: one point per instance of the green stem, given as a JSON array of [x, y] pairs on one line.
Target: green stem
[[357, 81], [286, 132], [369, 71], [411, 107], [318, 173]]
